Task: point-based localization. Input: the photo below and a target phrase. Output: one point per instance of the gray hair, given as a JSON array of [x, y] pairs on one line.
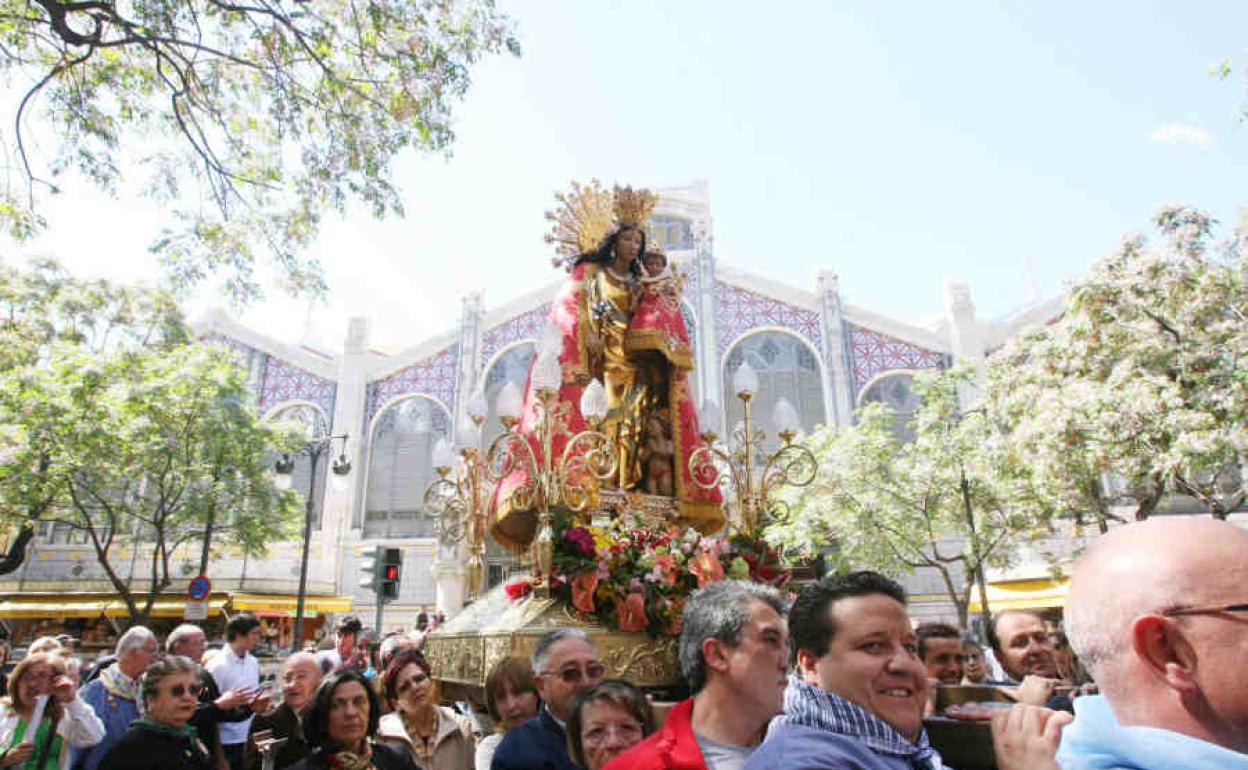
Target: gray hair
[[302, 657], [157, 672], [541, 651], [182, 632], [719, 610], [133, 639]]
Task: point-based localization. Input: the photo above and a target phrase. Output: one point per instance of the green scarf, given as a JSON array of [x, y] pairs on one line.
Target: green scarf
[[185, 731]]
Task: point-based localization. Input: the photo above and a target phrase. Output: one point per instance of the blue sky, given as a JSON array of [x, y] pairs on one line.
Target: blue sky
[[1006, 144]]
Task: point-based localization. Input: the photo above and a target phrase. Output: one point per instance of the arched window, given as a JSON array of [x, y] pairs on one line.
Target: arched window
[[316, 428], [896, 390], [511, 366], [400, 468], [787, 368]]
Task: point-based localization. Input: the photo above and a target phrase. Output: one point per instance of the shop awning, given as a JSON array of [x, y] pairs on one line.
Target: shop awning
[[1042, 593], [166, 607], [88, 606], [281, 605], [54, 606]]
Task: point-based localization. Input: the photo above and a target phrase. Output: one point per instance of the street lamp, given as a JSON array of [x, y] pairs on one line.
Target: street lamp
[[284, 470], [735, 464]]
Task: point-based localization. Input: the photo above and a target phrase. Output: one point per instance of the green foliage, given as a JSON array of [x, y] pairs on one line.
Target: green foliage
[[115, 423], [950, 500], [1141, 382], [248, 120]]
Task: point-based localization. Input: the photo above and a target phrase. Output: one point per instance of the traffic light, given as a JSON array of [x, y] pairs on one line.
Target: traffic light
[[391, 573], [370, 567]]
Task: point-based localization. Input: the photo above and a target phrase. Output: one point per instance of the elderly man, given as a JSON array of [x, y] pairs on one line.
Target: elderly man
[[235, 668], [940, 649], [301, 673], [734, 653], [114, 694], [857, 698], [564, 661], [188, 640], [1157, 612]]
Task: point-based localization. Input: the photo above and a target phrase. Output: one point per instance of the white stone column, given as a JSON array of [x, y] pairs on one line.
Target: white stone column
[[449, 571], [966, 334], [338, 507], [707, 354], [836, 386]]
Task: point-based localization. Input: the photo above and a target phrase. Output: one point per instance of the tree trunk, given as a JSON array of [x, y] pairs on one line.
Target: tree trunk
[[16, 556]]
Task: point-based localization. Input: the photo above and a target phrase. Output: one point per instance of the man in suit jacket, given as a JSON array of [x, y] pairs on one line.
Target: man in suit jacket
[[564, 661], [301, 673]]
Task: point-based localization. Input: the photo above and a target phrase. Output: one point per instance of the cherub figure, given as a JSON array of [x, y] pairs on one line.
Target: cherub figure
[[657, 454]]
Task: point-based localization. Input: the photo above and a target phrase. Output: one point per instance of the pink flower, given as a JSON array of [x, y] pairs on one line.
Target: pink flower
[[631, 613], [707, 568], [583, 588]]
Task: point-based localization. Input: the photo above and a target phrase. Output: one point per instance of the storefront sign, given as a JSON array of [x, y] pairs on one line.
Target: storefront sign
[[195, 611]]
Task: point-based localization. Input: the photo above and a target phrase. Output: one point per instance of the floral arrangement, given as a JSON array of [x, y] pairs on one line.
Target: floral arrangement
[[633, 578]]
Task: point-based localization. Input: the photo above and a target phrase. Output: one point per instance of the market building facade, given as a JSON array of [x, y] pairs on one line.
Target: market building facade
[[824, 356]]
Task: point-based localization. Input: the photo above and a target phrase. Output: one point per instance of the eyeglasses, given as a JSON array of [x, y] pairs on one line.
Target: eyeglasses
[[629, 732], [178, 690], [574, 674], [1175, 611]]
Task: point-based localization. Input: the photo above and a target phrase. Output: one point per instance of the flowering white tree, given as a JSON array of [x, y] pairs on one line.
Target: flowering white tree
[[953, 499], [1140, 388]]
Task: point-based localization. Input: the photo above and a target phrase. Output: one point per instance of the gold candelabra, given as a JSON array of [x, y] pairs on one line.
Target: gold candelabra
[[459, 498], [736, 465], [461, 501]]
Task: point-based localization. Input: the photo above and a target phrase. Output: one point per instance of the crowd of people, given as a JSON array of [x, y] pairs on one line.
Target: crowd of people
[[836, 677]]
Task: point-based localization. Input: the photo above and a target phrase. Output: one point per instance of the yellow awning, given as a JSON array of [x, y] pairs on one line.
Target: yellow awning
[[54, 606], [282, 604], [1023, 595], [166, 607]]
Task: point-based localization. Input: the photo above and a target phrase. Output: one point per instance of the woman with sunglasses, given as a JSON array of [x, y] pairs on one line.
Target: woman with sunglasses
[[162, 739], [436, 737], [66, 720]]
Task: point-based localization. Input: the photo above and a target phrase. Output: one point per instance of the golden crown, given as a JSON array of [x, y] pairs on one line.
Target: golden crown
[[587, 213], [633, 207]]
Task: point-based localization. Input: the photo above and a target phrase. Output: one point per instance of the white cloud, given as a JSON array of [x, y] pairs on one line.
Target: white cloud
[[1181, 133]]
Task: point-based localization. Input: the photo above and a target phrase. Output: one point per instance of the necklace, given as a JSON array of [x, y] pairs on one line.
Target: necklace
[[626, 278]]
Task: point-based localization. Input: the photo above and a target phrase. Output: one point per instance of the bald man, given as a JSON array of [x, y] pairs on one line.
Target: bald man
[[301, 673], [1158, 612]]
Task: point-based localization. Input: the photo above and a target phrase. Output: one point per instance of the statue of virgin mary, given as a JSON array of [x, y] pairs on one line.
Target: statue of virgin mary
[[600, 237]]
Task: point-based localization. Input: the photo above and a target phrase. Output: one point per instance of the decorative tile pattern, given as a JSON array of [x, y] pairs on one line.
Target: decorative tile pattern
[[276, 381], [872, 352], [281, 381], [525, 326], [435, 376], [739, 311]]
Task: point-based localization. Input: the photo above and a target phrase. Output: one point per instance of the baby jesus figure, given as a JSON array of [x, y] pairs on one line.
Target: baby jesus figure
[[657, 323]]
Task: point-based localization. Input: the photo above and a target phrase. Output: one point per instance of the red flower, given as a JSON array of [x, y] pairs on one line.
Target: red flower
[[631, 613], [707, 567], [583, 588], [518, 589]]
